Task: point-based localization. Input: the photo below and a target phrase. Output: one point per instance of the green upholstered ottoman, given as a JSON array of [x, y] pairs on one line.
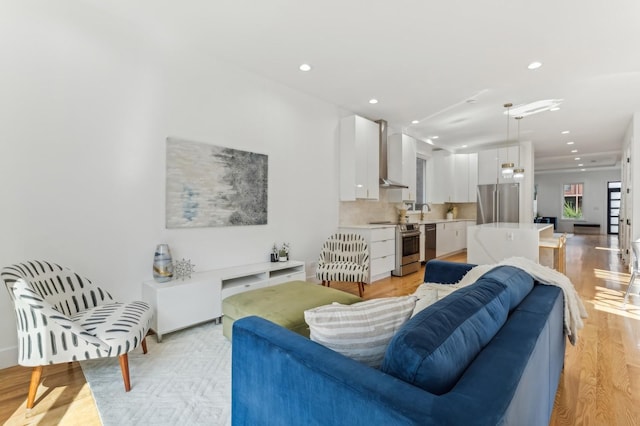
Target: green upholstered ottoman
[[283, 304]]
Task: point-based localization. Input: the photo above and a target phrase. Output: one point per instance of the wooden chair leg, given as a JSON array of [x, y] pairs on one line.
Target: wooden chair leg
[[360, 288], [124, 366], [144, 345], [36, 374]]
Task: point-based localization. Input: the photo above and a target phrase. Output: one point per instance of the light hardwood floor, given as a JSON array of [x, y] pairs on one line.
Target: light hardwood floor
[[600, 384]]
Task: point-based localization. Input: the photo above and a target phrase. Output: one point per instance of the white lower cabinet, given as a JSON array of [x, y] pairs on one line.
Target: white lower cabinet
[[382, 249], [451, 237], [180, 304]]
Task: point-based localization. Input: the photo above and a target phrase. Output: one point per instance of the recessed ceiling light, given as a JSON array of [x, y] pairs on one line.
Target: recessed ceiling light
[[570, 143], [305, 67], [373, 101], [580, 165], [573, 151], [415, 121], [534, 65], [434, 137], [464, 146], [583, 170], [565, 132], [577, 158], [554, 109]]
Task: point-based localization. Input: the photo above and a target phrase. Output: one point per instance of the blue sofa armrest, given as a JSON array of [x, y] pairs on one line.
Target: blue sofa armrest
[[444, 272], [281, 378]]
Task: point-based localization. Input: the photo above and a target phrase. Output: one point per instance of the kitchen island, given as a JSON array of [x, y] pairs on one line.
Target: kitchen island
[[492, 242]]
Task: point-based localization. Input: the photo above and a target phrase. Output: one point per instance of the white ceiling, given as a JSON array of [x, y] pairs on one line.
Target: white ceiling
[[424, 59]]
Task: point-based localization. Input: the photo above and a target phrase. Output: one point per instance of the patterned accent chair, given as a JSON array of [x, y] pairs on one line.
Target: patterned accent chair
[[344, 257], [62, 317]]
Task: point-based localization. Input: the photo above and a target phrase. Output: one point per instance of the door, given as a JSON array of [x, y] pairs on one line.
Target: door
[[613, 207], [508, 202]]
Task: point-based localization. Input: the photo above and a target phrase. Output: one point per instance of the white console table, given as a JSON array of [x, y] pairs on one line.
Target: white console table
[[182, 303]]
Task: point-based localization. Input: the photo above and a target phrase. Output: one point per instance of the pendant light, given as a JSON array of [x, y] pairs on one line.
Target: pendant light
[[507, 167], [518, 172]]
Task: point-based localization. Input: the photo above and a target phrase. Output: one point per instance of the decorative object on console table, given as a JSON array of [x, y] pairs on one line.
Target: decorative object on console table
[[162, 264], [183, 269], [284, 252], [274, 253]]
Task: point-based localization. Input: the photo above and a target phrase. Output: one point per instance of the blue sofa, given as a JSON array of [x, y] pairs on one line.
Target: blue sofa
[[488, 354]]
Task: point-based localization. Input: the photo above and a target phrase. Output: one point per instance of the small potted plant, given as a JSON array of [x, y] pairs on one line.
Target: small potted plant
[[450, 210], [284, 252]]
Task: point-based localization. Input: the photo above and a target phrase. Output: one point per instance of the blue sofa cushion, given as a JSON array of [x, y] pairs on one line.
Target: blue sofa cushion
[[435, 347], [519, 283]]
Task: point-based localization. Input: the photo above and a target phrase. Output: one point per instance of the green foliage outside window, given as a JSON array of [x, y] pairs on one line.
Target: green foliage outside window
[[571, 211]]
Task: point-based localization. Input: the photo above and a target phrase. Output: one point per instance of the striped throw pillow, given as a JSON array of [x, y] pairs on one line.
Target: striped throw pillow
[[361, 331]]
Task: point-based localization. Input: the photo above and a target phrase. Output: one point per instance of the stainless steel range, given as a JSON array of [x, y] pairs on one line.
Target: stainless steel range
[[407, 249]]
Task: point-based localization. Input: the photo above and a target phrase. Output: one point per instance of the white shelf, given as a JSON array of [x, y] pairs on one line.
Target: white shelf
[[182, 303]]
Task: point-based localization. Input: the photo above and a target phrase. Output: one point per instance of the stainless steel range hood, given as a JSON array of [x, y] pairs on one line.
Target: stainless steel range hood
[[385, 182]]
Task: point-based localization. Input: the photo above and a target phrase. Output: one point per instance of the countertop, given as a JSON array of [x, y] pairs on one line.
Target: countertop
[[514, 226], [370, 226], [430, 221], [419, 222]]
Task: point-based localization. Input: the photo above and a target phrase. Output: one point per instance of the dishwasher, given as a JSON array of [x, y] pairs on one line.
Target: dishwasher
[[429, 242]]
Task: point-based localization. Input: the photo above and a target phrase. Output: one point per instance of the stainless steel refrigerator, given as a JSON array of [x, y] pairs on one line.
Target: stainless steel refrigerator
[[498, 203]]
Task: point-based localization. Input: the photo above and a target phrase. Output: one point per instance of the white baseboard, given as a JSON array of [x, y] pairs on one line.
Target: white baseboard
[[8, 357]]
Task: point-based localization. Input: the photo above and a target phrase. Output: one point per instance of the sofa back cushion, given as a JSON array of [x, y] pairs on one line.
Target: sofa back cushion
[[519, 283], [435, 347], [445, 272]]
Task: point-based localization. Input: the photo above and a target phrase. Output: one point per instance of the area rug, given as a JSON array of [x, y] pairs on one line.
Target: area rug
[[185, 379]]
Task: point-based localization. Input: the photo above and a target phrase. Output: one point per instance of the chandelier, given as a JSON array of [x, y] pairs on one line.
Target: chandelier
[[507, 167], [518, 172]]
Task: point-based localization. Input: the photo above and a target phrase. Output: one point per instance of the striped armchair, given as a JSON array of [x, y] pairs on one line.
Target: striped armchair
[[62, 317], [344, 257]]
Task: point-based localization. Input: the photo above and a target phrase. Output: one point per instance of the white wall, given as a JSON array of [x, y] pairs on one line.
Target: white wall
[[630, 231], [87, 103], [594, 198]]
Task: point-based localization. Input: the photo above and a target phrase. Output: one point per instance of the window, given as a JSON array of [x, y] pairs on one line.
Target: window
[[421, 182], [572, 200]]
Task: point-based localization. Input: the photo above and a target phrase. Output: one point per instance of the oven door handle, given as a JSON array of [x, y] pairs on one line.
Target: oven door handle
[[410, 234]]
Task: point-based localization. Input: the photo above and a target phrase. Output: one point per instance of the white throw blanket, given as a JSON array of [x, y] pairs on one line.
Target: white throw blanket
[[574, 309]]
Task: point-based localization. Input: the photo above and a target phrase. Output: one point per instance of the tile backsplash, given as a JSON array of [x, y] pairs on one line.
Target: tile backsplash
[[362, 212]]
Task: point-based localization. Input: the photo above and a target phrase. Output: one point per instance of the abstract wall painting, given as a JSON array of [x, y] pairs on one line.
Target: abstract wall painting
[[211, 186]]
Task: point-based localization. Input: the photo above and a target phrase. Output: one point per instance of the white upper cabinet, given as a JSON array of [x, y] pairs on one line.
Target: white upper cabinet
[[452, 178], [439, 177], [401, 167], [359, 159], [473, 178], [465, 178], [490, 161]]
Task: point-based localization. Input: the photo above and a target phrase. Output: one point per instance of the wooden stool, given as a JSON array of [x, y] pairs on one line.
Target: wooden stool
[[558, 247]]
